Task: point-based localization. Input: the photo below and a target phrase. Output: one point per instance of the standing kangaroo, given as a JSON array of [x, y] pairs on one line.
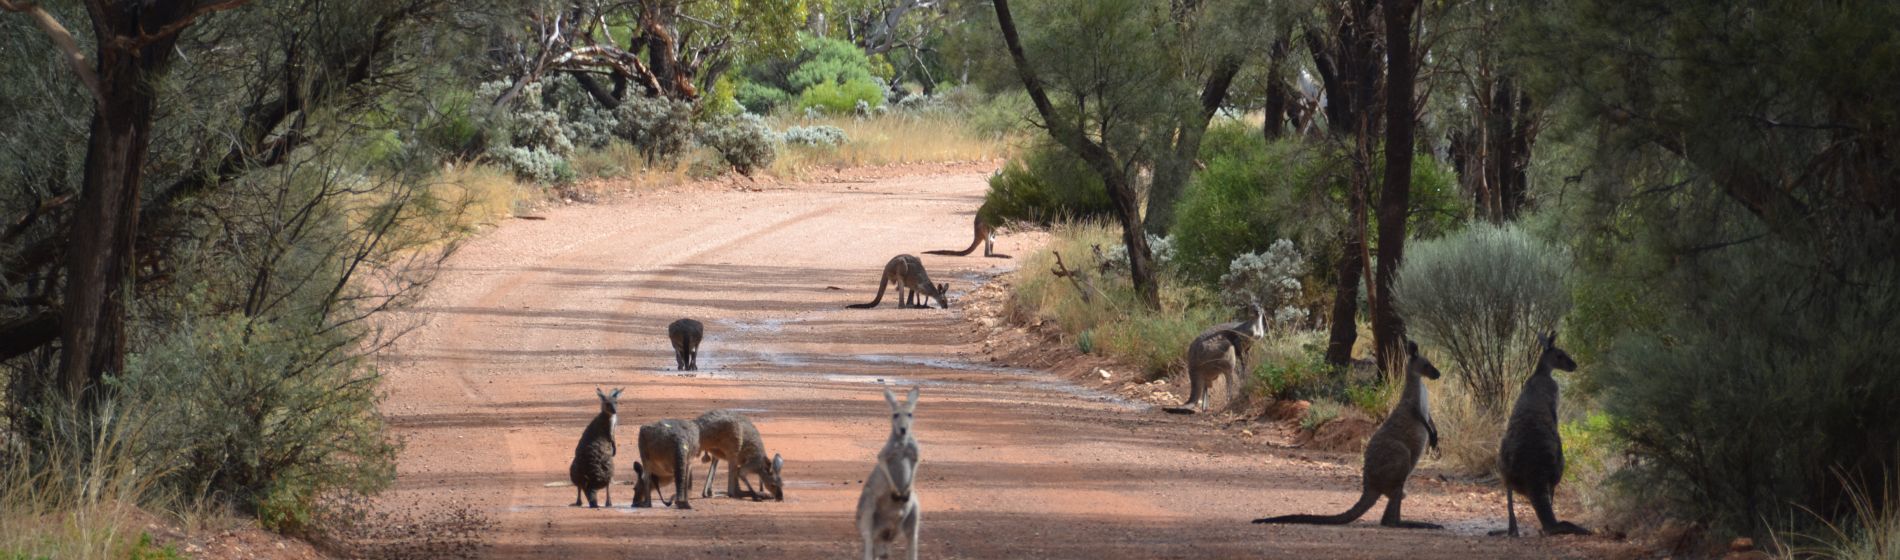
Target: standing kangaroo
[[593, 466], [1221, 351], [667, 448], [1531, 457], [727, 436], [985, 235], [686, 334], [1391, 454], [908, 274], [888, 509]]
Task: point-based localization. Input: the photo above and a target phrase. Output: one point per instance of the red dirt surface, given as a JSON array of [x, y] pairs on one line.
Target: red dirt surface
[[493, 389]]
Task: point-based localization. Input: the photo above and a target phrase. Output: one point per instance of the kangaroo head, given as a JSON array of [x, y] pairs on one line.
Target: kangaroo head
[[609, 402], [772, 478], [1258, 328], [1552, 356], [942, 296], [901, 413], [1418, 365]]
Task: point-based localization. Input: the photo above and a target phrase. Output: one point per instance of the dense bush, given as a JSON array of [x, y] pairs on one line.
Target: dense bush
[[252, 411], [1771, 389], [745, 142], [842, 98], [534, 164], [759, 98], [661, 128], [1482, 295], [1250, 195], [1045, 184], [819, 135]]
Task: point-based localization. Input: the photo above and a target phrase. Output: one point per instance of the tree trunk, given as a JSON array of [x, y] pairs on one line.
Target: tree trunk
[[1388, 328], [1174, 169], [1273, 125], [1120, 190], [1350, 74], [99, 255]]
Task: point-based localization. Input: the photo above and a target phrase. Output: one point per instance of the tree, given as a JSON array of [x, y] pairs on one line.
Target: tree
[[1345, 59], [1110, 93], [1395, 207], [133, 46]]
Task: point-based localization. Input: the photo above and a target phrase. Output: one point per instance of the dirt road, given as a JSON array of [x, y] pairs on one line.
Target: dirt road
[[493, 390]]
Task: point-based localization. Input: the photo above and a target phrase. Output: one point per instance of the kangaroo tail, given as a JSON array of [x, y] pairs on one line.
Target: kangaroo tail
[[1365, 503], [978, 240], [882, 282]]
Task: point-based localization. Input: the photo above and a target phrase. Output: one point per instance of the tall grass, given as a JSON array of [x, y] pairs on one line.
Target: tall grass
[[1119, 326], [1871, 531], [83, 495], [889, 139]]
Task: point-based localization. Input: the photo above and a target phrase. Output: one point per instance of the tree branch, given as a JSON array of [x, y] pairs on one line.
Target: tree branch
[[63, 40]]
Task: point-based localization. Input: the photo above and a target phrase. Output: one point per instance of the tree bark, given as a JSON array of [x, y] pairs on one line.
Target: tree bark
[[1173, 171], [100, 248], [1388, 328], [1120, 190], [1350, 73], [1273, 125]]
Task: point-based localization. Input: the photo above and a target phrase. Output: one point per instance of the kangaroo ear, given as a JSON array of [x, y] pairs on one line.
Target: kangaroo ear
[[778, 464], [617, 391], [891, 398], [1411, 348], [602, 394], [911, 403]]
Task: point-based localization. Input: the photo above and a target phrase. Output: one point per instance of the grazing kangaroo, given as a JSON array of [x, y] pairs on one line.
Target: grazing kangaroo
[[1531, 457], [667, 448], [1391, 454], [985, 235], [908, 274], [686, 334], [593, 466], [727, 436], [1221, 351], [888, 509]]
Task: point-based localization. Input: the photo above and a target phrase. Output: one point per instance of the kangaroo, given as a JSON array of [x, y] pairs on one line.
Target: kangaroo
[[985, 235], [1531, 456], [726, 435], [667, 448], [686, 334], [1392, 453], [908, 274], [1221, 351], [888, 509], [593, 466]]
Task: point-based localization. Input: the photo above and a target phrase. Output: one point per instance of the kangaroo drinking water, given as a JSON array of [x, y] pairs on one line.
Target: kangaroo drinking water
[[685, 334], [1221, 351], [888, 509], [667, 448], [1531, 456], [986, 224], [913, 284], [1391, 454], [727, 436], [593, 466]]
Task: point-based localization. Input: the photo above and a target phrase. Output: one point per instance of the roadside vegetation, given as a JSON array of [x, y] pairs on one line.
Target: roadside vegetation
[[1684, 213]]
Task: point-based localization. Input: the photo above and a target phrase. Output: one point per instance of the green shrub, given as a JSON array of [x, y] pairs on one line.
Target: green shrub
[[1046, 184], [1291, 365], [1482, 296], [819, 135], [1244, 201], [841, 98], [831, 61], [661, 128], [252, 411], [1770, 388], [745, 142], [759, 98]]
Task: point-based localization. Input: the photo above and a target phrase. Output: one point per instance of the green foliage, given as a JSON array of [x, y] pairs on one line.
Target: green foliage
[[1250, 195], [819, 135], [1483, 295], [1321, 412], [722, 99], [841, 98], [148, 549], [744, 142], [661, 128], [1291, 365], [1045, 184], [831, 61], [759, 98]]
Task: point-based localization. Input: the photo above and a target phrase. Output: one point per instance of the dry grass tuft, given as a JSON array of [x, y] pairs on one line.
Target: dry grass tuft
[[885, 140]]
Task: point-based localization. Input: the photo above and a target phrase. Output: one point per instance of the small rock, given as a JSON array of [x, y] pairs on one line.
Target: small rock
[[1102, 372]]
